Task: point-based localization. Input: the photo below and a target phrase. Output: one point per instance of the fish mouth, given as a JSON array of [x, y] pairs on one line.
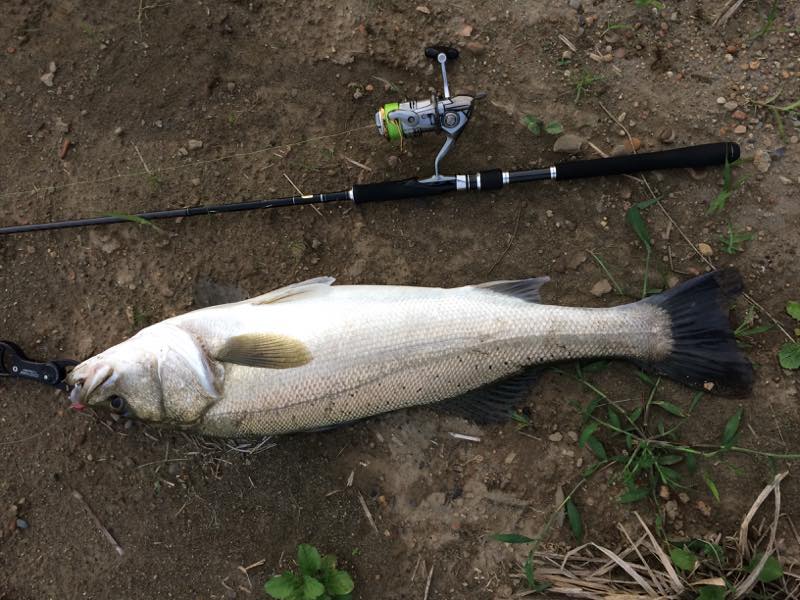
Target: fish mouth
[[85, 383]]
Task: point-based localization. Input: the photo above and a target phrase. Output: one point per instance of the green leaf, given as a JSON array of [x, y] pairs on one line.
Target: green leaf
[[596, 366], [528, 568], [731, 428], [670, 408], [635, 414], [772, 568], [711, 592], [633, 495], [512, 538], [308, 559], [613, 418], [587, 432], [669, 459], [339, 583], [793, 309], [554, 128], [683, 559], [533, 124], [708, 549], [575, 522], [789, 355], [283, 586], [711, 486], [635, 220], [691, 462], [328, 565], [597, 447], [312, 588]]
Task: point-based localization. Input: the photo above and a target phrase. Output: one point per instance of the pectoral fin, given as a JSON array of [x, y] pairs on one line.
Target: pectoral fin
[[265, 350]]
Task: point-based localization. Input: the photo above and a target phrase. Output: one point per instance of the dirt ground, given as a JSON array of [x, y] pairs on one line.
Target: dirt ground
[[268, 87]]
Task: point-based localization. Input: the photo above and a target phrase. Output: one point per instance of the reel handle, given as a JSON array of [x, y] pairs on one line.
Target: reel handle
[[433, 52], [704, 155]]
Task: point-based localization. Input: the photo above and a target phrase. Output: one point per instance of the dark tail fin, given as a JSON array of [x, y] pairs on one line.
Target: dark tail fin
[[704, 350]]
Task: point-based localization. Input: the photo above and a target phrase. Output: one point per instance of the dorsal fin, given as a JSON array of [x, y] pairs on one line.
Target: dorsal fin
[[524, 289], [308, 286], [493, 402]]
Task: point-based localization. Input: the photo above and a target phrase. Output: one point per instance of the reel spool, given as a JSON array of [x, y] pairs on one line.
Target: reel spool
[[446, 113]]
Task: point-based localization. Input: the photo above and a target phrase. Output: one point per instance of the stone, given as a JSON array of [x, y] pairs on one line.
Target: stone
[[705, 249], [601, 288], [762, 161], [569, 143]]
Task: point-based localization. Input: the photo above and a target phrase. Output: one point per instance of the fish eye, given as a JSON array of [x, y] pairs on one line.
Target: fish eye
[[117, 404]]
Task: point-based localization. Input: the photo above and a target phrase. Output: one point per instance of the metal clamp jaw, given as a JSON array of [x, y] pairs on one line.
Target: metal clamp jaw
[[449, 114]]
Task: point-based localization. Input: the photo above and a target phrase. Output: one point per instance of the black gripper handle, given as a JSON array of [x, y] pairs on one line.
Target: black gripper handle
[[704, 155], [434, 51], [398, 190]]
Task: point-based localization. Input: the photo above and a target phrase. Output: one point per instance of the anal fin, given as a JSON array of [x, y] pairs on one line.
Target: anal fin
[[493, 402]]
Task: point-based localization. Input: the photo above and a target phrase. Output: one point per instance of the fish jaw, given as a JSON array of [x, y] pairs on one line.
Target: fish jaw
[[86, 378], [126, 371]]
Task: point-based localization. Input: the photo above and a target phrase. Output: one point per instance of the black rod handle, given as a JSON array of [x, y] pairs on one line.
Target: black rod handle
[[400, 189], [704, 155]]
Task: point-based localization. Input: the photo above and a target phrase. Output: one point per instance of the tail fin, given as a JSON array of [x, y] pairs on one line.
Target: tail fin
[[704, 350]]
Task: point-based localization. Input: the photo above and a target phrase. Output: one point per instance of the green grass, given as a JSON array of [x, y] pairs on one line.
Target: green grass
[[729, 186], [789, 354], [583, 84], [650, 4], [769, 22], [732, 241]]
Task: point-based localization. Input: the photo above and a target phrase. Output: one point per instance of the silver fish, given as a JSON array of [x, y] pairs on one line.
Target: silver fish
[[314, 355]]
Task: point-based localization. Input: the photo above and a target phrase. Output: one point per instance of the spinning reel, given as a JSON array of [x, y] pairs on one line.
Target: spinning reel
[[446, 113]]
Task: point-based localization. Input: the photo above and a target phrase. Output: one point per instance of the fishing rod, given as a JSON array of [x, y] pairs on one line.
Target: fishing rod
[[449, 115]]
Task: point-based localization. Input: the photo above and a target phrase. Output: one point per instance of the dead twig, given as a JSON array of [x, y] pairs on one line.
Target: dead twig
[[367, 513], [106, 533], [731, 6], [428, 583]]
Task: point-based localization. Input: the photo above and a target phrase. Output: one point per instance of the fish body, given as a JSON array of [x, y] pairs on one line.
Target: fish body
[[314, 355]]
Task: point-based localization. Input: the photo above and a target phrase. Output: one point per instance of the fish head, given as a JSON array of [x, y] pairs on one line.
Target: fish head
[[124, 379], [161, 375]]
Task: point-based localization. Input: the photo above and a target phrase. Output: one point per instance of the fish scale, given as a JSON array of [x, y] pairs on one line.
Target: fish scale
[[420, 350]]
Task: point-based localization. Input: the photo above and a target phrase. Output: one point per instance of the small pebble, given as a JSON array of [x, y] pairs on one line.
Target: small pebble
[[740, 129], [721, 100], [601, 288], [705, 249], [118, 131], [424, 10], [739, 115], [22, 524], [762, 161], [568, 143], [194, 144], [731, 105], [555, 437]]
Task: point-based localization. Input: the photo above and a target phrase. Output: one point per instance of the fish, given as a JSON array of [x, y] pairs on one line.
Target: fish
[[313, 355]]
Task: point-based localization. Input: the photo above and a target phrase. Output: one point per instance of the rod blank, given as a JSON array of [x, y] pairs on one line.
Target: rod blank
[[705, 155]]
